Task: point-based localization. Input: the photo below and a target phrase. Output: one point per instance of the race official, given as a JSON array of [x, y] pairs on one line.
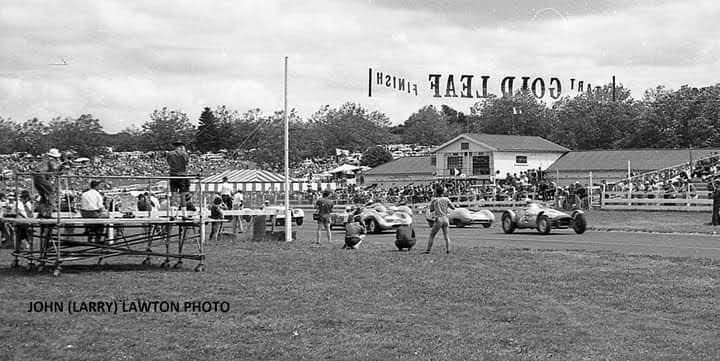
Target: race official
[[440, 209], [324, 208], [177, 160]]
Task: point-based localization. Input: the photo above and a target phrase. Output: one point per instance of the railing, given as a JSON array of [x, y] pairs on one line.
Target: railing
[[657, 201]]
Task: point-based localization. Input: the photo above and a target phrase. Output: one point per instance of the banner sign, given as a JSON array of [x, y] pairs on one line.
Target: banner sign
[[476, 87]]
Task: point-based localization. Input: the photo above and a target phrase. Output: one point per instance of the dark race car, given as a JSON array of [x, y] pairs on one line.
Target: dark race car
[[542, 218]]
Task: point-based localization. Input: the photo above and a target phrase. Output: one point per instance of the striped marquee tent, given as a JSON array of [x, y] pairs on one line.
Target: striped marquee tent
[[255, 180]]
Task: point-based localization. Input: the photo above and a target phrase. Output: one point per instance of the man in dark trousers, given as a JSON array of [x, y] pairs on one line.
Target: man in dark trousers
[[177, 160], [716, 202], [324, 208]]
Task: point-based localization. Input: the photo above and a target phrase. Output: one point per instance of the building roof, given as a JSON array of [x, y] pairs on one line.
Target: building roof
[[643, 160], [405, 165], [246, 176], [502, 142]]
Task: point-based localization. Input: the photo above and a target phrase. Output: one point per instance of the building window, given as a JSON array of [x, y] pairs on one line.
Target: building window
[[464, 146], [480, 165], [520, 159], [454, 163], [433, 161]]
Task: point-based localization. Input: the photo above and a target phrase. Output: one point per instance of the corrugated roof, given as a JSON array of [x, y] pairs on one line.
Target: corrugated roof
[[643, 160], [245, 176], [405, 165], [503, 142]]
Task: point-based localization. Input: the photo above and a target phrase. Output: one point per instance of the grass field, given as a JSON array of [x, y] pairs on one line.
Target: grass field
[[298, 301]]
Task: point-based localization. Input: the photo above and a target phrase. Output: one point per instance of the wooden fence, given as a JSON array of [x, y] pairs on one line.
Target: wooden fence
[[649, 201]]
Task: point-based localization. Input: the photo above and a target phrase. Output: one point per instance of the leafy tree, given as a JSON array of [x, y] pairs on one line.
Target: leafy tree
[[9, 132], [128, 140], [164, 127], [32, 137], [594, 121], [374, 156], [83, 135], [427, 127]]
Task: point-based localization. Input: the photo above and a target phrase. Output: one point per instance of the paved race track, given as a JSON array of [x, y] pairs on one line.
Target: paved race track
[[670, 245]]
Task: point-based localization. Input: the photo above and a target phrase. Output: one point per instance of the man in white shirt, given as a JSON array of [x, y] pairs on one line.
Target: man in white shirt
[[237, 203], [226, 193], [92, 206]]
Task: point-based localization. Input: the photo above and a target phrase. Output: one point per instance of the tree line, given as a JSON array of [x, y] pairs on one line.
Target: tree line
[[662, 118]]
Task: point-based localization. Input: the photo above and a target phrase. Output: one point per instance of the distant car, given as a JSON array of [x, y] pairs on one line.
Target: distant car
[[542, 218], [339, 218], [298, 215], [377, 217], [462, 217]]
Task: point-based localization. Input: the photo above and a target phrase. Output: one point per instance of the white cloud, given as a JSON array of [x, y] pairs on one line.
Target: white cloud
[[128, 58]]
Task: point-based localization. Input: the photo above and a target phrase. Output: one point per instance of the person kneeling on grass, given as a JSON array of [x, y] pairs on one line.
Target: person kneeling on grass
[[216, 213], [354, 233], [405, 237]]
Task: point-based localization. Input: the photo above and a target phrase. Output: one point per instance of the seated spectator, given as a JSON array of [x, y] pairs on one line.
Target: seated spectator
[[91, 206]]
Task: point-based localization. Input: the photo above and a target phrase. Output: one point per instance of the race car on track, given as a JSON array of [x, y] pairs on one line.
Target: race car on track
[[377, 217], [461, 217], [542, 218], [339, 218]]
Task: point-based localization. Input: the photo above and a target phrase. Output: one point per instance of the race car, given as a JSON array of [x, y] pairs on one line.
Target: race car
[[298, 215], [542, 218], [461, 217], [339, 218], [377, 217]]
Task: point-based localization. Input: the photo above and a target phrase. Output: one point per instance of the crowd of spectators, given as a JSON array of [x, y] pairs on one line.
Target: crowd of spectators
[[682, 181]]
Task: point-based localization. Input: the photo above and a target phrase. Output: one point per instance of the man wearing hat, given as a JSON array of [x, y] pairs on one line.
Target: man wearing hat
[[178, 160], [92, 206], [44, 185]]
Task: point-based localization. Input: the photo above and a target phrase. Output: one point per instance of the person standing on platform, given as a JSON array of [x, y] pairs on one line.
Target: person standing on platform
[[324, 208], [91, 206], [44, 185], [177, 160], [440, 208]]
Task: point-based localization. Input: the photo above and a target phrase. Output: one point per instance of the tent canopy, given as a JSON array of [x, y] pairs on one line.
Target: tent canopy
[[345, 168], [246, 176]]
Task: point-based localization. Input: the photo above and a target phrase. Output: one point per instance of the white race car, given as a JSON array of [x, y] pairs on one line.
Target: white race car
[[461, 217], [377, 217], [298, 215]]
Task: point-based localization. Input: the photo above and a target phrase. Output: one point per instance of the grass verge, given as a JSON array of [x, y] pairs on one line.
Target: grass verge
[[297, 301]]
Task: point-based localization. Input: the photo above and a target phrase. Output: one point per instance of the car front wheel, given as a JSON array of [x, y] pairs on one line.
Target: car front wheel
[[543, 224], [579, 223], [508, 225]]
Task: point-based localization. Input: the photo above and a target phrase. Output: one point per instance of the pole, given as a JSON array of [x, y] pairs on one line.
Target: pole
[[590, 195], [630, 187], [288, 216], [613, 87]]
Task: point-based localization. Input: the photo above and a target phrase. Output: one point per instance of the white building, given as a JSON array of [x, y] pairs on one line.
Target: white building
[[486, 157]]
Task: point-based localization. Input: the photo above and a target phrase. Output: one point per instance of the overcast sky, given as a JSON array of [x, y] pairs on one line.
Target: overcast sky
[[126, 58]]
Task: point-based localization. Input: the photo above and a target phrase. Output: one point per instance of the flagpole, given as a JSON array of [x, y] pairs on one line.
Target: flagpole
[[288, 216]]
